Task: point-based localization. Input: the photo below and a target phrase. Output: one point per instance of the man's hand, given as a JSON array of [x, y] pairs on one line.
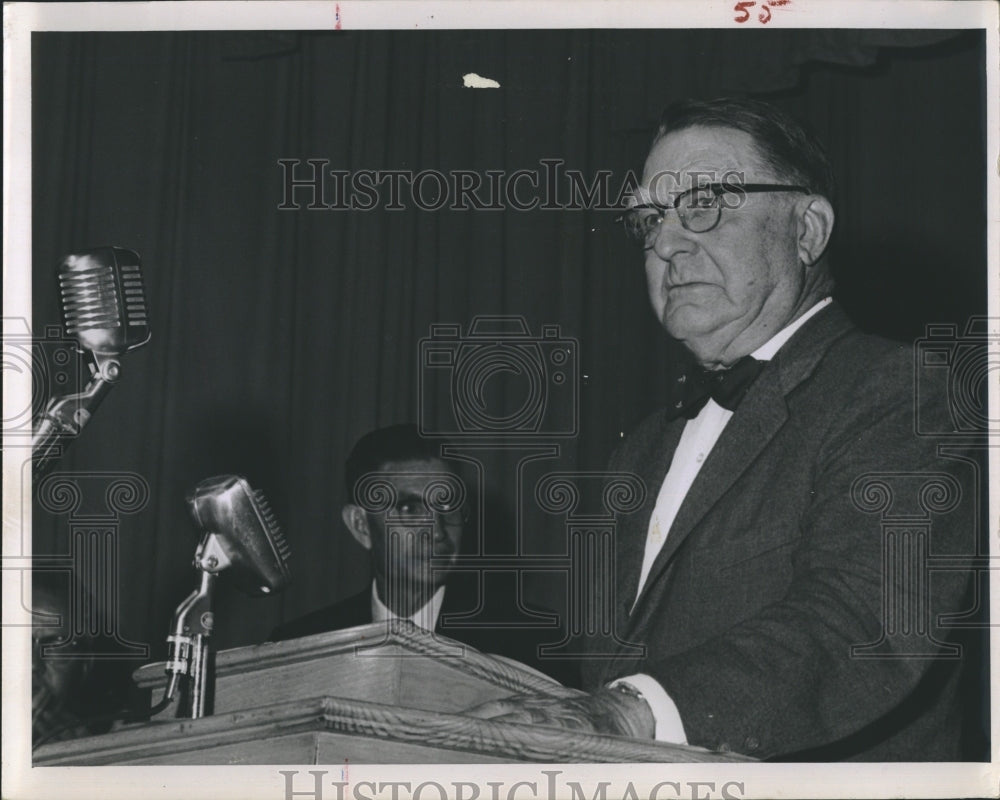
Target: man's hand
[[605, 711]]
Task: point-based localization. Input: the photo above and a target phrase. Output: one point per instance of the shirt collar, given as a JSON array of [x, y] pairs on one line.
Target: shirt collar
[[425, 617], [767, 350]]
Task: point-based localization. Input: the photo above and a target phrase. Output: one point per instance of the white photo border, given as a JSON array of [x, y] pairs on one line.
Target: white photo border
[[20, 780]]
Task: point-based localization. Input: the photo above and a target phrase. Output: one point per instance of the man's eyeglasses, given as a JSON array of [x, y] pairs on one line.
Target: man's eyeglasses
[[414, 509], [699, 208]]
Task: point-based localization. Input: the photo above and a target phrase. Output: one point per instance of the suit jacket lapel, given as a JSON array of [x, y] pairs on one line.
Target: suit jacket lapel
[[634, 527], [759, 417]]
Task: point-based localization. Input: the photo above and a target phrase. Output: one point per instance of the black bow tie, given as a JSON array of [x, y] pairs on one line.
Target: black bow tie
[[725, 386]]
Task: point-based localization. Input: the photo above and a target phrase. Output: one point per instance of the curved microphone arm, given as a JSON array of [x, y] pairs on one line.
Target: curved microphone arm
[[64, 418], [187, 645]]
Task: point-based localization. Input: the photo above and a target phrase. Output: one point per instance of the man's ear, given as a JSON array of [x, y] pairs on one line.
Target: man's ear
[[815, 226], [356, 521]]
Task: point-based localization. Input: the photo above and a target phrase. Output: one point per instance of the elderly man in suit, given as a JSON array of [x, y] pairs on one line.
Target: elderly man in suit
[[754, 567]]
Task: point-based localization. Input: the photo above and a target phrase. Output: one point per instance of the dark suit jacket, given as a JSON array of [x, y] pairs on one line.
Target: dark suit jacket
[[492, 629], [772, 570]]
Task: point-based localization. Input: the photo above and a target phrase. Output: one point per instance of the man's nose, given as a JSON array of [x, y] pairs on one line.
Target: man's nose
[[671, 237], [439, 532]]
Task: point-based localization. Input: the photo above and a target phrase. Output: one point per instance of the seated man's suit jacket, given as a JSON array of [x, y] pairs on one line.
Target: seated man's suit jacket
[[773, 567], [489, 631]]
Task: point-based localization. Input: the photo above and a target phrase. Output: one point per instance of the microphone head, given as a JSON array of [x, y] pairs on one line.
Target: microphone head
[[104, 304], [247, 531]]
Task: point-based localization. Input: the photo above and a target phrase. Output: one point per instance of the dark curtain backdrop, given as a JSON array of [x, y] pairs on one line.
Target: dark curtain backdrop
[[280, 336]]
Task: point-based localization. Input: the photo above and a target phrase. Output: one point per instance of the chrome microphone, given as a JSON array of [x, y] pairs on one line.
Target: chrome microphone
[[104, 305], [241, 535], [104, 309]]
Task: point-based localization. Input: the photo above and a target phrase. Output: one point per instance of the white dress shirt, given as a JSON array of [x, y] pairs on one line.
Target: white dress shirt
[[697, 440], [425, 617]]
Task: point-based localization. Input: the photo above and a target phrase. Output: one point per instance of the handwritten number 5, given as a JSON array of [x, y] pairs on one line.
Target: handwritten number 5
[[741, 8]]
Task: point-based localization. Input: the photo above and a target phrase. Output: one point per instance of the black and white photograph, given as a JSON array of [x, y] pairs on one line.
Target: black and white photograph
[[500, 400]]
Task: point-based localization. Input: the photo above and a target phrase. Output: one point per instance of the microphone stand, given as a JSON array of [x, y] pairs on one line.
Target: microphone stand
[[188, 651], [225, 510]]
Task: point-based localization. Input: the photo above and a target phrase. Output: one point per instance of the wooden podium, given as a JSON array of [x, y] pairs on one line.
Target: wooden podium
[[372, 694]]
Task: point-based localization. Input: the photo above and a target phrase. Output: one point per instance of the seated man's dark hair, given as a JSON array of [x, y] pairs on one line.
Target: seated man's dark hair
[[386, 445], [783, 143]]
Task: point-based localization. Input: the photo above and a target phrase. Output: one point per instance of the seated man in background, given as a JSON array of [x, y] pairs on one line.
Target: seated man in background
[[408, 509]]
